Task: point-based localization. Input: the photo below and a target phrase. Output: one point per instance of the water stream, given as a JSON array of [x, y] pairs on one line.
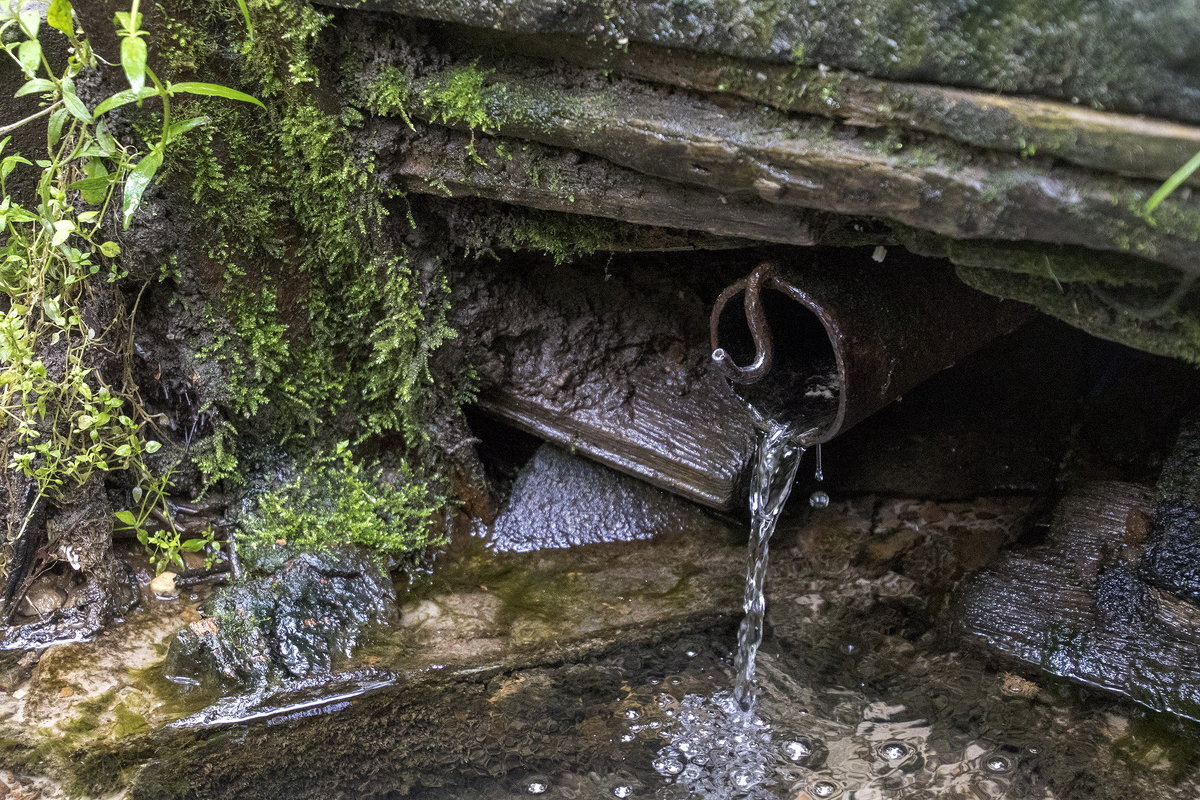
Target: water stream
[[776, 461]]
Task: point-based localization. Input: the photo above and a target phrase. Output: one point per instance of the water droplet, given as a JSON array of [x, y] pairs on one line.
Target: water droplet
[[824, 788], [668, 766], [998, 764], [818, 500], [797, 750], [622, 791], [537, 787], [632, 713], [690, 654], [627, 737], [743, 780], [893, 751]]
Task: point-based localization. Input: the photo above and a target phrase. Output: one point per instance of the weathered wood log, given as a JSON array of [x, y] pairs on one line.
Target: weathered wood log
[[792, 161], [533, 175], [605, 360], [1108, 600], [1105, 141], [1142, 57]]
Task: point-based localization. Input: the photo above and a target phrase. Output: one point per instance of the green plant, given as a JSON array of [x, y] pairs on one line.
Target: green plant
[[336, 500], [322, 328], [165, 544], [458, 99], [65, 417]]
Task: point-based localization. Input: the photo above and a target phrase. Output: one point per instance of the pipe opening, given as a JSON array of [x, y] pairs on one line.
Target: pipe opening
[[803, 384]]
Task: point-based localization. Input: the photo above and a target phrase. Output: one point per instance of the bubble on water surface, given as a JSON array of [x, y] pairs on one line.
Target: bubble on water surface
[[893, 751], [797, 750], [668, 765], [537, 787], [998, 764], [825, 788], [622, 791], [818, 500]]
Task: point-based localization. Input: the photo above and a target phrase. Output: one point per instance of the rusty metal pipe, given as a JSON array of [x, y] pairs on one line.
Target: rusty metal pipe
[[879, 329]]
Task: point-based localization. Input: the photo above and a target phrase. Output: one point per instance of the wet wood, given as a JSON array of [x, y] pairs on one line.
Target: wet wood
[[551, 179], [1122, 144], [792, 161], [610, 360], [1100, 602]]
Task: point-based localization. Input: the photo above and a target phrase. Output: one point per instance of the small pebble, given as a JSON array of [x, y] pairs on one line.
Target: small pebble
[[163, 585]]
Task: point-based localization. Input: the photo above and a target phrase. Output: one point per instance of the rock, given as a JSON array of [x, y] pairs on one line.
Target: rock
[[13, 788], [559, 500], [45, 596], [163, 585], [293, 623]]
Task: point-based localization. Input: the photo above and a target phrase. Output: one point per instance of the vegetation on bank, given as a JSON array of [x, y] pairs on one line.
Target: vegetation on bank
[[317, 325], [71, 407], [319, 322]]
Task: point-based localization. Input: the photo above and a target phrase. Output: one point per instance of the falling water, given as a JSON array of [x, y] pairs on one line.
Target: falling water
[[778, 456]]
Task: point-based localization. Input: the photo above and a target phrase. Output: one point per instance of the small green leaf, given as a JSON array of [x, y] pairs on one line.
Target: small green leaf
[[127, 517], [10, 163], [31, 21], [246, 16], [93, 189], [133, 61], [54, 127], [112, 250], [135, 185], [108, 145], [74, 104], [123, 98], [124, 451], [192, 546], [180, 128], [34, 86], [30, 56], [213, 90], [59, 16]]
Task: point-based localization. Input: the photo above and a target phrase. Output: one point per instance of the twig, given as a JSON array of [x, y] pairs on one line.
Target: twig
[[13, 126]]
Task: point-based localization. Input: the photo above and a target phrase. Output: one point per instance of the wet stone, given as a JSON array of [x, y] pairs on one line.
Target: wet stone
[[45, 596], [1172, 559], [294, 623], [559, 501]]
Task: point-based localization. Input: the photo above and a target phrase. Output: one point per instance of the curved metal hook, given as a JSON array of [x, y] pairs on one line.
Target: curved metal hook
[[756, 318]]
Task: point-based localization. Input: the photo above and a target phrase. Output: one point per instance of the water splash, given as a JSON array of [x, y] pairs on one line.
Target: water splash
[[775, 464]]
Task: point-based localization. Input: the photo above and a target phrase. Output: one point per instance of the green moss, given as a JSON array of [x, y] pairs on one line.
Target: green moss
[[563, 237], [457, 99], [390, 94], [338, 501], [1174, 331], [322, 329]]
